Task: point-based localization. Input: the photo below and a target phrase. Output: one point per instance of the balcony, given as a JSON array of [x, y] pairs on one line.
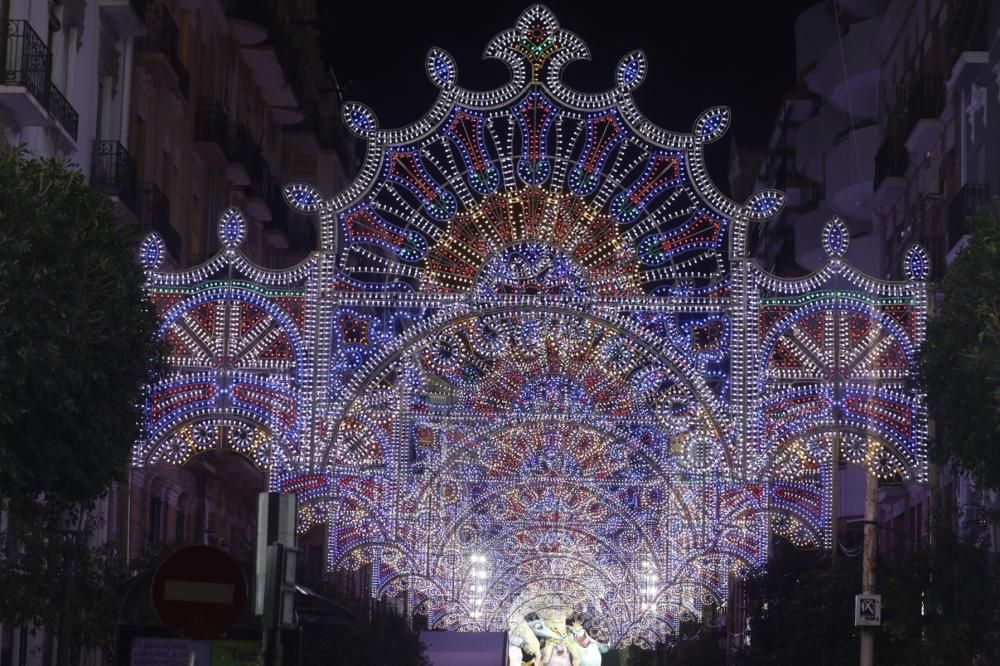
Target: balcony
[[925, 104], [848, 75], [279, 210], [294, 234], [248, 20], [281, 90], [328, 131], [259, 196], [808, 228], [270, 52], [301, 233], [26, 86], [242, 154], [26, 74], [850, 170], [113, 172], [891, 162], [211, 122], [814, 137], [161, 41], [61, 109], [960, 211], [128, 16], [154, 215], [287, 229], [286, 103], [815, 30]]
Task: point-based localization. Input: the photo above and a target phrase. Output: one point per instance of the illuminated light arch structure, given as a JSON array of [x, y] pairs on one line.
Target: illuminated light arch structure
[[533, 368]]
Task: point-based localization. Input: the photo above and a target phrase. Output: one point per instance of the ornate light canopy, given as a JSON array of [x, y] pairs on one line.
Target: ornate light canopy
[[532, 365]]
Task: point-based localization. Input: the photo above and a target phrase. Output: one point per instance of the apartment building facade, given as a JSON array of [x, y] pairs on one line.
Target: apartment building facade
[[889, 128], [893, 127], [177, 109], [232, 101]]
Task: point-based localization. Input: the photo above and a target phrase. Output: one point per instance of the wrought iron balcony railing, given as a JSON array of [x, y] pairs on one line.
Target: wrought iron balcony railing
[[279, 209], [210, 122], [925, 100], [262, 184], [26, 60], [154, 215], [891, 159], [113, 172], [301, 233], [241, 147], [64, 112], [163, 37], [329, 130]]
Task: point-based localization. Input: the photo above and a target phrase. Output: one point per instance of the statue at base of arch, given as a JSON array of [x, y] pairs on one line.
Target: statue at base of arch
[[523, 648], [590, 650], [563, 644]]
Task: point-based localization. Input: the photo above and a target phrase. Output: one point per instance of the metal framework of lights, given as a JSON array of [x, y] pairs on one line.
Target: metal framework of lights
[[532, 369]]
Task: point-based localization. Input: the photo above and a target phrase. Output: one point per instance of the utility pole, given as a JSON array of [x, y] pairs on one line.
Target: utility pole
[[868, 562]]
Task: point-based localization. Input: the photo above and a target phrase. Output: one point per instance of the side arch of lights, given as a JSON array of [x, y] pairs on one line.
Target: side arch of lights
[[533, 367]]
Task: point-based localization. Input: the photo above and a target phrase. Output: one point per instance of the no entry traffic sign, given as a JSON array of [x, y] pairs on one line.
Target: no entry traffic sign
[[199, 592]]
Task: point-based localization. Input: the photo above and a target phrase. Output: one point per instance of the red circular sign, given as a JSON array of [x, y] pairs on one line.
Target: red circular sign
[[198, 592]]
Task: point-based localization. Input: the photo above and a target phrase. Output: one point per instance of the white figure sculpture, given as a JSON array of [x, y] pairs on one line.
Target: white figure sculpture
[[558, 649], [589, 648], [522, 641]]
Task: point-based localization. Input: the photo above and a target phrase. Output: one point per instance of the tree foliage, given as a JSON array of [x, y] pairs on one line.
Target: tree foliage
[[703, 647], [961, 363], [367, 637], [940, 607], [941, 604], [77, 346], [76, 335], [801, 611]]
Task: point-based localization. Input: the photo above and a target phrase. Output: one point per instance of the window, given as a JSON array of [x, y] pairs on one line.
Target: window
[[210, 212], [165, 174], [179, 526], [155, 521]]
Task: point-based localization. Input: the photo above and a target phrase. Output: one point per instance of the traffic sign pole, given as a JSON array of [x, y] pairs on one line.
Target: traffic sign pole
[[275, 524], [279, 600]]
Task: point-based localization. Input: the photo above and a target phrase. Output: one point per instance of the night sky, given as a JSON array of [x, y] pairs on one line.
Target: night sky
[[701, 53]]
